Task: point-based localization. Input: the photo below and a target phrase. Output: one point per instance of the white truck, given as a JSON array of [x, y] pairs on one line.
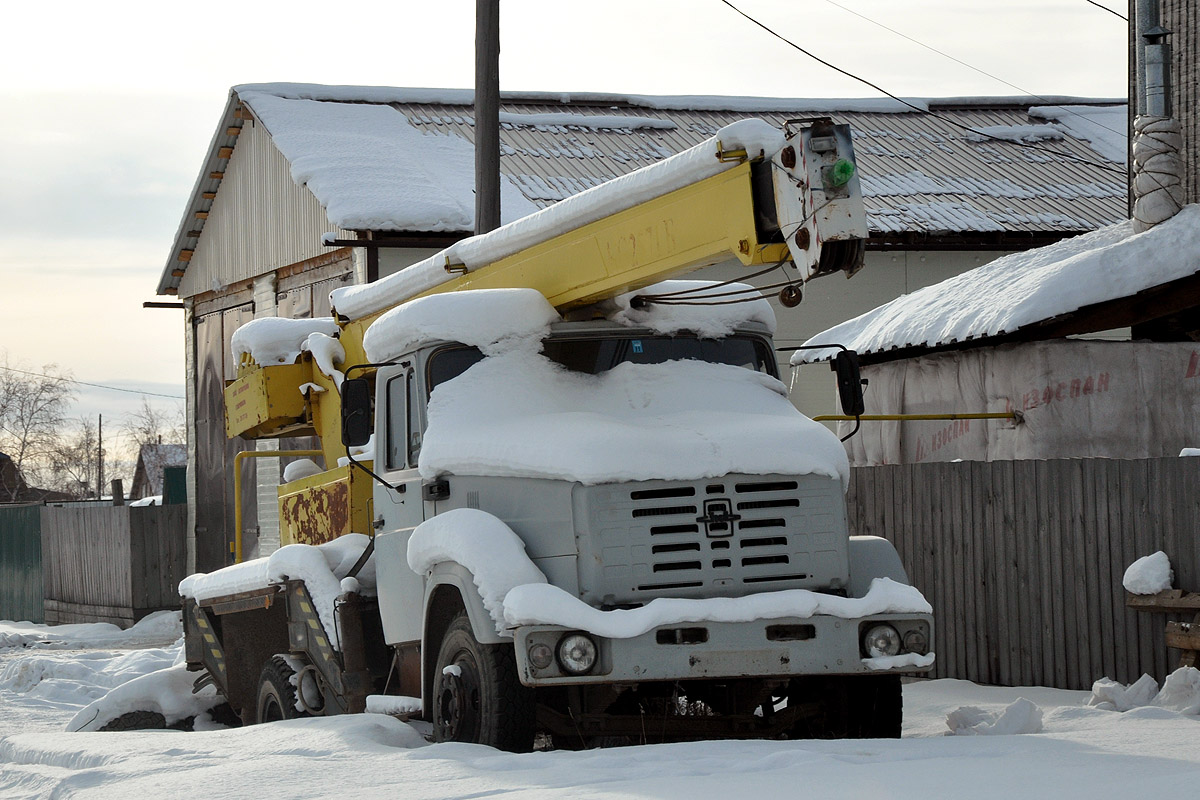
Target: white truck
[[574, 499]]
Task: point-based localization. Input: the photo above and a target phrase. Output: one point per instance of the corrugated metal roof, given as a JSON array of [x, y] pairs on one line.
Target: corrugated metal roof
[[922, 174]]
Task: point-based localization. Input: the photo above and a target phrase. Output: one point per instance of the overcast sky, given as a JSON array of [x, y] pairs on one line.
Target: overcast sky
[[108, 107]]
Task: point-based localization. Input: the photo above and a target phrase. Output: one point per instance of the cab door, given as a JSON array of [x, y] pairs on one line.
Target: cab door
[[399, 508]]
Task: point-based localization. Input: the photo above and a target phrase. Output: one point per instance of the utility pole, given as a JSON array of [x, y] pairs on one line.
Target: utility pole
[[487, 115], [100, 457]]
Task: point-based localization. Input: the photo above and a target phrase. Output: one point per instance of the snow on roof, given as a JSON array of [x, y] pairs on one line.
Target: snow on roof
[[372, 170], [401, 159], [626, 191], [1105, 127], [1026, 288], [1015, 133], [466, 97], [598, 122]]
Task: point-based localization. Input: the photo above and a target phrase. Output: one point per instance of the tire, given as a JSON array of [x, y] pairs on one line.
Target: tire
[[481, 700], [276, 695], [136, 721], [857, 707], [876, 707]]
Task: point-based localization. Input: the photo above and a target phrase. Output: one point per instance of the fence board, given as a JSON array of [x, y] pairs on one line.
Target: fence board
[[111, 563], [1022, 552], [1023, 561]]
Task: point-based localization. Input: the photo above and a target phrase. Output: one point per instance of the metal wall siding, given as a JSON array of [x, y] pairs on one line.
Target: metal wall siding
[[1023, 560], [260, 220], [21, 591], [1182, 17]]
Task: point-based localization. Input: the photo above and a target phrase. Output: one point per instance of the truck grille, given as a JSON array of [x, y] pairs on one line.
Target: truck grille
[[724, 537]]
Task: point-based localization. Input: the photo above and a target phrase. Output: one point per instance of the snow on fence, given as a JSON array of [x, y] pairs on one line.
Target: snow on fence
[[1023, 560], [112, 563]]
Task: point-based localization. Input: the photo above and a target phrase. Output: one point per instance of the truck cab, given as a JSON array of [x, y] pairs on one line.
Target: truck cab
[[616, 546]]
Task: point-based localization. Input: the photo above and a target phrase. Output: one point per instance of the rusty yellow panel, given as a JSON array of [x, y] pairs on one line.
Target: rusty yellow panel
[[267, 402], [324, 506]]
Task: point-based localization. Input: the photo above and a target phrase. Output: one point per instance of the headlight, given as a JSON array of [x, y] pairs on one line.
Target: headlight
[[881, 640], [915, 641], [576, 653], [540, 655]]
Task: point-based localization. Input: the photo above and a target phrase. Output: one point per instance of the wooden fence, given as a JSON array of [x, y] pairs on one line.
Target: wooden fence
[[112, 563], [1023, 560]]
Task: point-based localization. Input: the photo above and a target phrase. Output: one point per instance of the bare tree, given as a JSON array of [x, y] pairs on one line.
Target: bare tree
[[150, 425], [74, 463], [33, 406]]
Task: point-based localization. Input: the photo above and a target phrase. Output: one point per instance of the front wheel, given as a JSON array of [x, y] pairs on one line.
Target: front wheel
[[851, 707], [878, 706], [477, 696]]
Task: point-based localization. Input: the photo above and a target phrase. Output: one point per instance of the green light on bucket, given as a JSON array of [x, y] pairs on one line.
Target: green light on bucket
[[840, 173]]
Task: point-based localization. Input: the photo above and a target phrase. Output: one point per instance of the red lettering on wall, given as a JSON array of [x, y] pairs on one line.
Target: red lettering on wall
[[1071, 389]]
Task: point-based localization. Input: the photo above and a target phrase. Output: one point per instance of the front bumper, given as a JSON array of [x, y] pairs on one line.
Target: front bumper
[[782, 648]]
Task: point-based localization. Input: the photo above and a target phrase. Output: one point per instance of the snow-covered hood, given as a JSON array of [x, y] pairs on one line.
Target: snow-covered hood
[[520, 415]]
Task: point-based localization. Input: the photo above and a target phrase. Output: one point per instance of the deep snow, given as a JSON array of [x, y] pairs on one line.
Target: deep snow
[[1078, 751]]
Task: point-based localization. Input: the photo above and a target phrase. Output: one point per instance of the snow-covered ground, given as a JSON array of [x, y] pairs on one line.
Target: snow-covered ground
[[48, 674]]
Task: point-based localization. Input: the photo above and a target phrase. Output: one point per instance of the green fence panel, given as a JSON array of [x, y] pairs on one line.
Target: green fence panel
[[174, 486], [21, 589]]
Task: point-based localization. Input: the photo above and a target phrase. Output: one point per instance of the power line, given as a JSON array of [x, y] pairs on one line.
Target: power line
[[1109, 10], [983, 72], [920, 110], [971, 66], [85, 383]]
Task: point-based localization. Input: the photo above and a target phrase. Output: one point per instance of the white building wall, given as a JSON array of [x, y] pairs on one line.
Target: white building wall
[[1075, 399]]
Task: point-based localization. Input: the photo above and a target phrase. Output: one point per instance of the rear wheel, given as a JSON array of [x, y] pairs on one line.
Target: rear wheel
[[276, 694], [477, 696]]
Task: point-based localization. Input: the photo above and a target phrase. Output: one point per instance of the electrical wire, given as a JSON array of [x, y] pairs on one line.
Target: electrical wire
[[1049, 103], [974, 68], [948, 120], [85, 383], [1109, 10]]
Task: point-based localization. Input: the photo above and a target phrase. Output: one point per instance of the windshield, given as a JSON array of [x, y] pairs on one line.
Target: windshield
[[593, 355]]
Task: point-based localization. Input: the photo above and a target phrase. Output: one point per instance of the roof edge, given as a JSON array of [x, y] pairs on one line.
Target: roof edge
[[168, 282], [466, 97]]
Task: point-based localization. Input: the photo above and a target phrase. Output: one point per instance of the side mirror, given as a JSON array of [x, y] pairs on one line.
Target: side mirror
[[849, 383], [357, 426]]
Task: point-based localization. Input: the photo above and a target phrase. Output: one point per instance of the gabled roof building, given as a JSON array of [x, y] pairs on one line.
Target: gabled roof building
[[305, 188]]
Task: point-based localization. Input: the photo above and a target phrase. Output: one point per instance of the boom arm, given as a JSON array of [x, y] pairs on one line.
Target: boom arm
[[752, 193]]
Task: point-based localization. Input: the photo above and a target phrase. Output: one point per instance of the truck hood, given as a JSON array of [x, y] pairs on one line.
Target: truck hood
[[518, 414]]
